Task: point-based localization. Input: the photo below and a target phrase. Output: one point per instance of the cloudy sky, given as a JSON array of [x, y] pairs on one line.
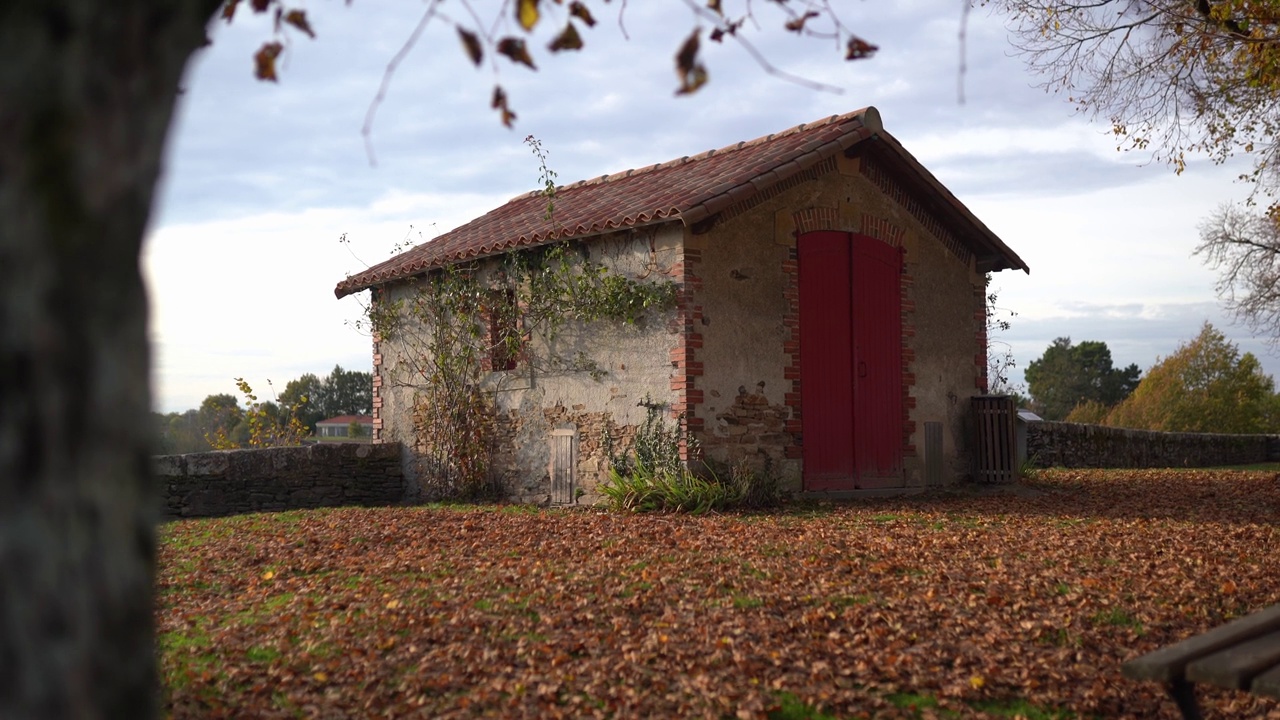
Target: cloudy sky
[[263, 179]]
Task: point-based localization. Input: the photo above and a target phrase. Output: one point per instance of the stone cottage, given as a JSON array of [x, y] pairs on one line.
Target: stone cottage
[[830, 325]]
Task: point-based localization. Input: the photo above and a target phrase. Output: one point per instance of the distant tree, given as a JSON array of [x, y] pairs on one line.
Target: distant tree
[[1204, 386], [306, 395], [1244, 248], [1089, 412], [182, 434], [263, 424], [342, 392], [347, 392], [219, 413], [1067, 375]]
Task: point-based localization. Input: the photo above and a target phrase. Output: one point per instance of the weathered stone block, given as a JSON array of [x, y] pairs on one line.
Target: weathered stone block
[[208, 463]]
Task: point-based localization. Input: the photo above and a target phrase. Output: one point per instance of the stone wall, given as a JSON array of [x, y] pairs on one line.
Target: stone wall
[[1057, 444], [229, 482]]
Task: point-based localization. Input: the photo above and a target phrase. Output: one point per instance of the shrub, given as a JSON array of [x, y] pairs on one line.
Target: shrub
[[657, 479]]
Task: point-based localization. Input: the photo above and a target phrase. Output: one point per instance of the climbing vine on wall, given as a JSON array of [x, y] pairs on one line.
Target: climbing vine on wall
[[459, 324]]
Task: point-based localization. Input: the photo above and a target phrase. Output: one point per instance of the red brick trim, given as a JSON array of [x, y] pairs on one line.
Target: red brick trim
[[882, 229], [909, 202], [906, 288], [791, 346], [686, 362], [377, 378], [812, 173], [816, 218]]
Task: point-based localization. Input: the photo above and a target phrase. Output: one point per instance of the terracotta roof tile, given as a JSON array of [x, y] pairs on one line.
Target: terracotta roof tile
[[689, 189]]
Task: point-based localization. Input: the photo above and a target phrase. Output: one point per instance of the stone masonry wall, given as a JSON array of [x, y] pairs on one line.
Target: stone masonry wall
[[229, 482], [1073, 445]]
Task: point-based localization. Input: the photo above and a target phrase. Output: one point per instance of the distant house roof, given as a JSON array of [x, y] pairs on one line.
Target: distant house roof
[[347, 420], [690, 189]]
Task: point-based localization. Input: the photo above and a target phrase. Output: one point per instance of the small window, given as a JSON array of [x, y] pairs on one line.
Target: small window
[[504, 330]]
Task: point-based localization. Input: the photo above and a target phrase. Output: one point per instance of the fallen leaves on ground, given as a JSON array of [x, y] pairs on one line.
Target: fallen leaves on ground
[[1022, 602]]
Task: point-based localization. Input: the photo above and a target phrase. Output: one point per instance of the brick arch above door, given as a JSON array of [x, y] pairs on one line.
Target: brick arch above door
[[881, 229], [813, 219], [821, 217]]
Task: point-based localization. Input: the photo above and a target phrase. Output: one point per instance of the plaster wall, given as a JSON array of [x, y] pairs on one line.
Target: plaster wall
[[589, 379]]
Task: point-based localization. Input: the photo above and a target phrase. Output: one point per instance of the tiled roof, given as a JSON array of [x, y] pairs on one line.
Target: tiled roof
[[347, 420], [688, 189]]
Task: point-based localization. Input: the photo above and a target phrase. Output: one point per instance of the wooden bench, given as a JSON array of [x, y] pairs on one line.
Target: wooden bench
[[1241, 655]]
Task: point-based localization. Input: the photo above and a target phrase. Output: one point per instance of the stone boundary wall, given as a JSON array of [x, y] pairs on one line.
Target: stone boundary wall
[[230, 482], [1073, 445]]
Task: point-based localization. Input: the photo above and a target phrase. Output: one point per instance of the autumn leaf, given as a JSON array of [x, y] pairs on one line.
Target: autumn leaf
[[472, 45], [859, 49], [527, 13], [693, 74], [568, 39], [298, 19], [499, 103], [796, 24], [229, 9], [515, 49], [261, 6], [264, 61], [730, 28], [714, 6], [581, 12]]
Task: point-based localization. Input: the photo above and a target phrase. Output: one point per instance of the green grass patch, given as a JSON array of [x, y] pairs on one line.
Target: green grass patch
[[1020, 708], [1117, 617], [791, 707], [849, 600], [262, 654]]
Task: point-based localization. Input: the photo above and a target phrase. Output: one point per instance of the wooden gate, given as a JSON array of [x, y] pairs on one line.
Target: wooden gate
[[850, 361]]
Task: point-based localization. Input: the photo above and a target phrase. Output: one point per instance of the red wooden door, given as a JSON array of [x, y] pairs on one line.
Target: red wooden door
[[877, 333], [826, 355], [850, 361]]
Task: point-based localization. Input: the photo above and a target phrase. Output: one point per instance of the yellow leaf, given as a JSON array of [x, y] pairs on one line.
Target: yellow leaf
[[393, 604], [268, 575], [527, 13], [976, 682], [321, 677]]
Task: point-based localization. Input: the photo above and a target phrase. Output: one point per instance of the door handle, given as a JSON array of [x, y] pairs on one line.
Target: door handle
[[862, 369]]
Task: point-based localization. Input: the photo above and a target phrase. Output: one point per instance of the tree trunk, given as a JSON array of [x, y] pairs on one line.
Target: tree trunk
[[87, 90]]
